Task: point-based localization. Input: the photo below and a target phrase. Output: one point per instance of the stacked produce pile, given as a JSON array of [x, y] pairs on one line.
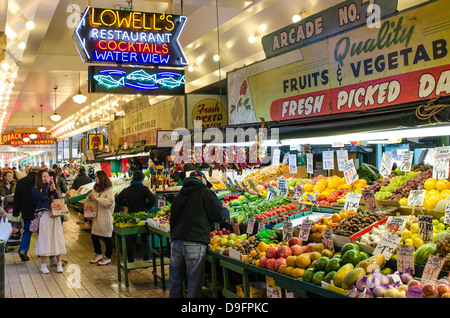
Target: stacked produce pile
[[357, 222], [132, 219], [394, 182], [330, 222], [259, 176]]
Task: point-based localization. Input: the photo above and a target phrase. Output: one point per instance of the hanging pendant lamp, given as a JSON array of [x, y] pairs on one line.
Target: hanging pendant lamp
[[32, 135], [41, 128], [55, 116], [79, 98]]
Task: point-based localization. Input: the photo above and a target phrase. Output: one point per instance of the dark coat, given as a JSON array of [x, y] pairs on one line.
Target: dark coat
[[81, 180], [193, 212], [136, 198], [23, 199]]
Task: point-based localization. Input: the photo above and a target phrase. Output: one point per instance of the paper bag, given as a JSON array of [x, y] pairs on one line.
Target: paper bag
[[5, 229], [57, 207], [90, 208]]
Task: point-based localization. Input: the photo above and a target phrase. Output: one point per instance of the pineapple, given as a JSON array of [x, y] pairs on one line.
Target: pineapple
[[443, 245], [446, 262]]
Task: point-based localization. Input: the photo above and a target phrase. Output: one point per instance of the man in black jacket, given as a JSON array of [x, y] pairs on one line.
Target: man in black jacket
[[81, 179], [24, 203], [193, 212]]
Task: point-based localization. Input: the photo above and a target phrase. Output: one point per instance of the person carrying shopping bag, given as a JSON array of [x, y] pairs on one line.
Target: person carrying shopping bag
[[102, 224], [50, 240]]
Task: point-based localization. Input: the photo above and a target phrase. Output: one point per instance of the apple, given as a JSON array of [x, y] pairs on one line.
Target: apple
[[295, 241], [415, 282], [284, 251], [263, 262], [443, 288], [272, 252], [430, 290], [296, 250], [271, 264], [308, 248], [278, 262]]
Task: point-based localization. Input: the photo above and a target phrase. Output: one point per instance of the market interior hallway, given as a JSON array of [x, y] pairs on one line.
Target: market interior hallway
[[24, 280]]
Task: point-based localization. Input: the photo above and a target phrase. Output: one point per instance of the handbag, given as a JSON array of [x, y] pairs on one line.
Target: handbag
[[5, 229], [34, 224], [58, 207]]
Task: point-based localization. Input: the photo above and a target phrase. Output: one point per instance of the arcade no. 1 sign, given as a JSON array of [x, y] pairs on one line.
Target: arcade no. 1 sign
[[130, 37]]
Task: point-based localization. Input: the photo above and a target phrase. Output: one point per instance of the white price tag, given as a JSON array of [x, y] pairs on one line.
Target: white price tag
[[406, 163], [416, 197], [292, 163], [352, 201], [386, 166], [250, 226], [342, 158], [282, 188], [388, 244], [276, 157], [313, 198], [447, 214], [309, 163], [370, 201], [350, 173], [303, 233], [328, 160], [328, 239], [395, 224], [405, 257], [161, 202], [235, 224], [441, 162], [426, 227], [287, 231], [432, 268]]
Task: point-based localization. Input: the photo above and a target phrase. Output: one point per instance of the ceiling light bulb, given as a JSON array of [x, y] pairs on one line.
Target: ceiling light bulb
[[79, 98], [42, 129], [33, 136], [216, 57], [5, 65], [55, 117], [190, 68], [26, 139], [30, 25], [22, 45], [296, 18], [252, 39]]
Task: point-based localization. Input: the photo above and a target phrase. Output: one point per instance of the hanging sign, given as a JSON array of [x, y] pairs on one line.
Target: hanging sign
[[406, 163], [328, 160], [16, 139], [136, 80], [342, 157], [130, 37]]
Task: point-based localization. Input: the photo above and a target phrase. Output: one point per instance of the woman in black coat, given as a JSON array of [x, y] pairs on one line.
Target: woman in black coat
[[137, 198]]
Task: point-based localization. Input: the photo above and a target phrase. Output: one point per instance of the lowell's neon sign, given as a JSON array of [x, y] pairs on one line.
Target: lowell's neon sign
[[117, 36]]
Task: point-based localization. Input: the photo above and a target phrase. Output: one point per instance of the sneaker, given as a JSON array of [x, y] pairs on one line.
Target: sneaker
[[96, 259], [105, 261], [59, 268], [44, 269], [23, 256]]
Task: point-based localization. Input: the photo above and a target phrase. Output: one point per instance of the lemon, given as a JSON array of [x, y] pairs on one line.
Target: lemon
[[406, 234], [223, 241], [435, 221], [418, 242], [409, 241], [403, 201], [414, 228], [430, 184], [440, 226]]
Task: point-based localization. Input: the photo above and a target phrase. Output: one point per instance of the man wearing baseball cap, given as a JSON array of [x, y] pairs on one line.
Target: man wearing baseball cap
[[193, 212]]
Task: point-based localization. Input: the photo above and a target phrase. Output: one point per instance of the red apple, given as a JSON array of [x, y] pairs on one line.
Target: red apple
[[272, 252], [415, 282], [443, 288], [295, 241], [284, 251], [271, 264], [308, 248], [278, 262], [263, 262], [296, 250], [430, 290]]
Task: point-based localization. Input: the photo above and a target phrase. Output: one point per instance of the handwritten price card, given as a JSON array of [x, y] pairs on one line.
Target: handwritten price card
[[250, 226], [287, 231], [386, 166], [387, 245], [416, 197], [352, 201], [303, 233], [282, 188], [328, 160], [292, 163], [441, 162], [406, 163], [276, 157], [447, 214], [342, 157], [405, 257], [235, 224], [394, 224], [161, 202], [426, 227], [432, 268], [328, 239], [350, 173], [309, 163], [370, 201]]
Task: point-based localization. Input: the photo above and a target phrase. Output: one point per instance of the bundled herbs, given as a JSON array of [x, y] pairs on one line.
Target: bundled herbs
[[134, 217]]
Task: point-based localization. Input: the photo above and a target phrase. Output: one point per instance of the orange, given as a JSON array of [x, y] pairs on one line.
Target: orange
[[324, 221], [252, 253], [336, 217], [344, 215], [263, 246], [315, 227], [261, 255], [308, 187], [257, 262], [322, 227]]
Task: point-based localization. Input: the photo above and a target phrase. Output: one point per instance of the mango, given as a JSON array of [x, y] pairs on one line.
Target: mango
[[352, 276], [341, 273]]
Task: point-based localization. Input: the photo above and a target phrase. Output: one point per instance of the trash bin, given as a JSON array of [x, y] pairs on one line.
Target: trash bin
[[2, 269]]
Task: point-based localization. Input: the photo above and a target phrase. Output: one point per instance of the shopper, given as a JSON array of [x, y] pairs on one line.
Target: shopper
[[137, 198], [81, 179], [50, 241], [24, 204], [193, 212], [102, 224], [61, 182], [8, 185], [134, 165]]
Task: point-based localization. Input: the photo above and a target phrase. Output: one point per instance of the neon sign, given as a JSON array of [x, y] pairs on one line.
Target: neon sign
[[130, 37], [132, 80]]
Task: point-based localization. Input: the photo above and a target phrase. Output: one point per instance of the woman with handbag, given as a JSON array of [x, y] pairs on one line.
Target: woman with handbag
[[50, 241], [102, 224]]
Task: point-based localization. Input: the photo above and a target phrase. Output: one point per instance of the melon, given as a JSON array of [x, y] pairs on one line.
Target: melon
[[422, 253]]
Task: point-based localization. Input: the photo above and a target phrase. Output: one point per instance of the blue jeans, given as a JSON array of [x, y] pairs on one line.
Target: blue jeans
[[26, 237], [187, 260]]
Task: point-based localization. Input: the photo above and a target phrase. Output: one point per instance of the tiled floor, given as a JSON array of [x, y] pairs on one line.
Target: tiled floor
[[80, 278]]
